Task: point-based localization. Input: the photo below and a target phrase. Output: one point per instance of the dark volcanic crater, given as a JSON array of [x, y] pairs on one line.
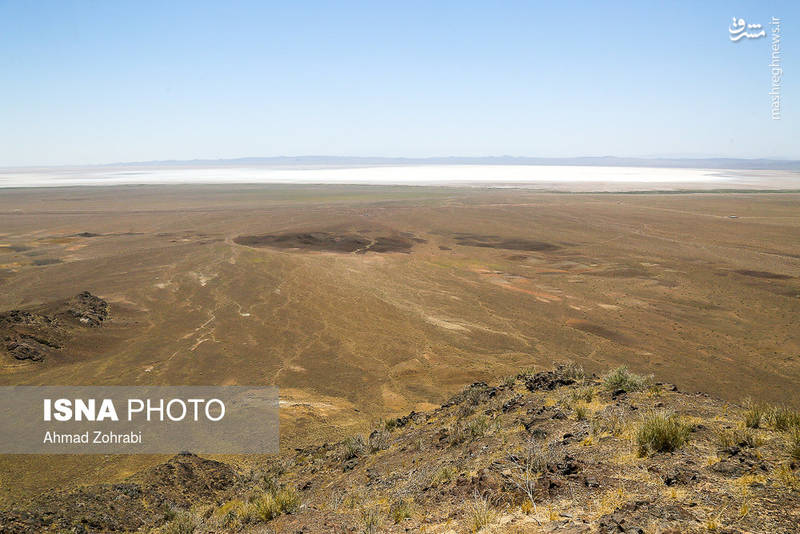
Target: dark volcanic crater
[[493, 241], [330, 242]]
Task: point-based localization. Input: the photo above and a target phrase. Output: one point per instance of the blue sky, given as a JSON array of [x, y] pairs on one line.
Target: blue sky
[[96, 82]]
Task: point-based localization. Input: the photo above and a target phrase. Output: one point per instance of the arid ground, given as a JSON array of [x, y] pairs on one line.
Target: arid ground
[[362, 302]]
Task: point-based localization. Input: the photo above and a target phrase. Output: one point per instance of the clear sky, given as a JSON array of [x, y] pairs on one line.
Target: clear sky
[[97, 82]]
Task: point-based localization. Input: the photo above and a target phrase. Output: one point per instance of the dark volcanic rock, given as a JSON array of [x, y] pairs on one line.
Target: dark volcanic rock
[[330, 242], [88, 309], [28, 347], [548, 380], [32, 335]]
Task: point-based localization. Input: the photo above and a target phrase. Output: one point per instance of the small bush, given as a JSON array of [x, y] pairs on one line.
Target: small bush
[[478, 426], [570, 370], [480, 514], [661, 432], [378, 441], [585, 394], [581, 412], [288, 500], [269, 505], [389, 425], [266, 507], [183, 523], [753, 413], [622, 379], [400, 510], [352, 447]]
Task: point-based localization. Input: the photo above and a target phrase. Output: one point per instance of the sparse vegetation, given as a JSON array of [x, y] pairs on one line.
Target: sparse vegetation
[[352, 447], [794, 444], [787, 477], [528, 466], [620, 379], [184, 522], [400, 510], [570, 370], [479, 514], [781, 417], [271, 504], [731, 440], [612, 422], [661, 431], [370, 519], [522, 452], [378, 441], [753, 412], [443, 475]]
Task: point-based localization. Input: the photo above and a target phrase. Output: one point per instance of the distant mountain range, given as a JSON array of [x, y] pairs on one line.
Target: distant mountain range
[[605, 161]]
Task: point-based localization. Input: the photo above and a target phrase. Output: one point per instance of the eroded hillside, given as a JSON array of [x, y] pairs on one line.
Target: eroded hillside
[[553, 451]]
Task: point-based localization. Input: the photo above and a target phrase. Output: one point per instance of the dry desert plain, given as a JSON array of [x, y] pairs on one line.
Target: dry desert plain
[[362, 302]]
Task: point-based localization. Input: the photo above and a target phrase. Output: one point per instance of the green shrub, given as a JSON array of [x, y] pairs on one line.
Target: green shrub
[[585, 394], [581, 412], [622, 379], [661, 432], [288, 500]]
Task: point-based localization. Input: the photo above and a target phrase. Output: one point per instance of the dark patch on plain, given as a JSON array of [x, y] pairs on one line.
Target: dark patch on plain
[[493, 241], [328, 242], [763, 274], [46, 261]]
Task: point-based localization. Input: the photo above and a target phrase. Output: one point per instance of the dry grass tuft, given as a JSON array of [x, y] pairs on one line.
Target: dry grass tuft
[[661, 431], [622, 379], [479, 514]]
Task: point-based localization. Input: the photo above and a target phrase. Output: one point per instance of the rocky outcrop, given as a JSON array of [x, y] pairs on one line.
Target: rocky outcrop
[[89, 309], [33, 335]]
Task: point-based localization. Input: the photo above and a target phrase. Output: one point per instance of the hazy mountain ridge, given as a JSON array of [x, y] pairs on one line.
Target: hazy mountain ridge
[[609, 161]]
